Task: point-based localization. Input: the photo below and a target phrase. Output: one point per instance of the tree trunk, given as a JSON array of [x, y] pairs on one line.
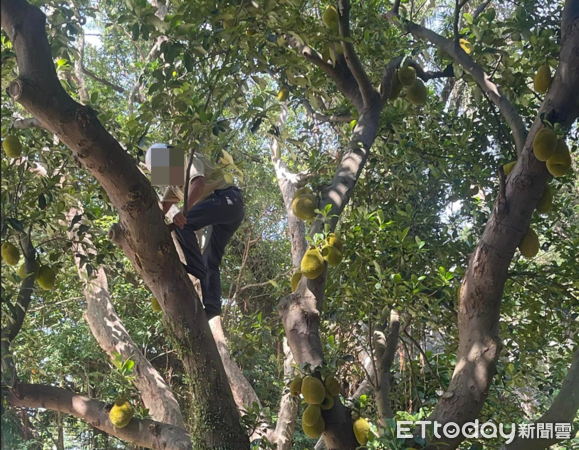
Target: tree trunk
[[142, 234], [111, 335]]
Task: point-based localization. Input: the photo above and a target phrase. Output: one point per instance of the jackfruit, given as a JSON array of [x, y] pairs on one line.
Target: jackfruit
[[10, 253], [508, 168], [328, 402], [546, 201], [331, 18], [316, 430], [312, 265], [301, 191], [313, 390], [304, 207], [529, 246], [296, 278], [416, 93], [22, 270], [407, 76], [395, 88], [361, 431], [12, 146], [332, 385], [560, 162], [283, 94], [331, 255], [296, 386], [311, 415], [465, 45], [336, 241], [542, 79], [46, 277], [155, 304], [121, 413], [545, 144]]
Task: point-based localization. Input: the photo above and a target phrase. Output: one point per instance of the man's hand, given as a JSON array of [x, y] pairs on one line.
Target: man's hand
[[179, 219]]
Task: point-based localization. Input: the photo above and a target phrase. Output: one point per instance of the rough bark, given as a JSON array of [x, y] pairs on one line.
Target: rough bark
[[143, 233], [112, 336], [563, 410], [143, 433]]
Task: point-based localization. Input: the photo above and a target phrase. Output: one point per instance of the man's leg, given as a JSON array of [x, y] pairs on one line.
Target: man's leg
[[221, 233]]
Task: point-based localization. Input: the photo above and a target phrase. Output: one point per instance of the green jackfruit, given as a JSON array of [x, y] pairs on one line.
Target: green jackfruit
[[155, 304], [529, 246], [283, 94], [304, 207], [336, 241], [313, 390], [22, 270], [361, 431], [508, 168], [331, 255], [12, 146], [312, 265], [331, 18], [332, 385], [545, 144], [316, 430], [416, 94], [121, 413], [296, 386], [328, 402], [546, 201], [296, 278], [46, 277], [407, 76], [10, 253], [301, 191], [559, 163], [311, 415], [542, 79]]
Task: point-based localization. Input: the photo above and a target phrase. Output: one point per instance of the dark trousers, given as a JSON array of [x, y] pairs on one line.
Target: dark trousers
[[223, 210]]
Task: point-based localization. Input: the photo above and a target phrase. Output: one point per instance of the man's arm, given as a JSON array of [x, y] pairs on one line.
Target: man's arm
[[195, 191]]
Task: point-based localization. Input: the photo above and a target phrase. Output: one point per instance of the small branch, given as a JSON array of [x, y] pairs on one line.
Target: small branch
[[389, 71], [352, 60], [478, 11], [323, 118], [456, 18], [95, 77], [423, 353], [143, 433], [448, 72]]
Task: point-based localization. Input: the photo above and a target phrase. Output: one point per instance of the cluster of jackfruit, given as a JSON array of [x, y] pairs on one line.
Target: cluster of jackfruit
[[121, 413], [319, 396], [12, 146], [405, 77], [44, 275], [552, 150], [304, 204], [313, 262]]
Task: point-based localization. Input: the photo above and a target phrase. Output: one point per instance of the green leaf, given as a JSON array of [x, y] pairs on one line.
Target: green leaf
[[468, 18]]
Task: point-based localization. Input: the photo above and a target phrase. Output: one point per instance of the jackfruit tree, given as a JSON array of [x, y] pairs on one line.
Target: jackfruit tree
[[410, 244]]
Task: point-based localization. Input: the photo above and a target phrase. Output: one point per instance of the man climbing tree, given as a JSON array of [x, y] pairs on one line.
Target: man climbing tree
[[211, 201]]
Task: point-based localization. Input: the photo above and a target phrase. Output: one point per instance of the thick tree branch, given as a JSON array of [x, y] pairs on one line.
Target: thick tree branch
[[143, 433], [385, 354], [453, 49], [100, 80], [30, 122], [563, 410], [365, 85], [112, 336], [340, 74], [389, 71]]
